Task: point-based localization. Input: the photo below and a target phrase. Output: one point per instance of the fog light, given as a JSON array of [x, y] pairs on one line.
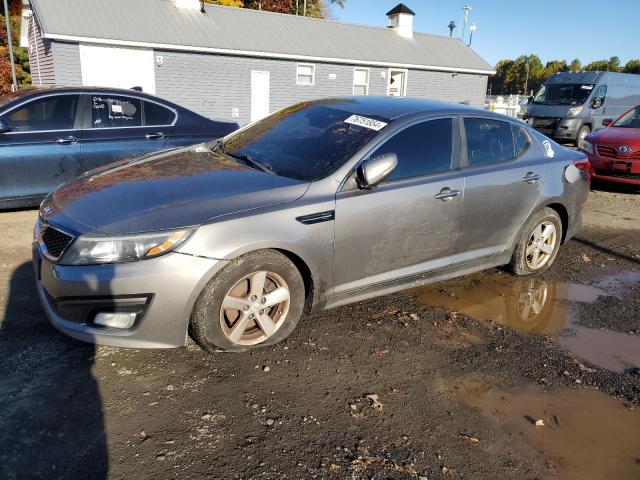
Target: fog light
[[115, 320]]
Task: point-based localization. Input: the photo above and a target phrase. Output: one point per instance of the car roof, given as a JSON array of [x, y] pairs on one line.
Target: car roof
[[392, 108], [35, 91]]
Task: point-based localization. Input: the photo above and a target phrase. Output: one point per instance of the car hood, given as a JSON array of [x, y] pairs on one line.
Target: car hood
[[617, 136], [173, 189]]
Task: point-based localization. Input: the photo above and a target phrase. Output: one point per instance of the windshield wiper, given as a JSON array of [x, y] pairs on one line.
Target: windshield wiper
[[247, 159]]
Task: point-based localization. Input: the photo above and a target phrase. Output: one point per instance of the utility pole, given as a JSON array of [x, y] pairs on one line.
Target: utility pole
[[526, 78], [11, 59], [466, 9]]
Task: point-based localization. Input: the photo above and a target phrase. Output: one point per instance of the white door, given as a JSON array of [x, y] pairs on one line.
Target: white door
[[118, 67], [259, 95], [397, 86]]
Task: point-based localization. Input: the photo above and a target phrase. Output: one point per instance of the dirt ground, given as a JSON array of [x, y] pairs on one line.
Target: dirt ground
[[488, 376]]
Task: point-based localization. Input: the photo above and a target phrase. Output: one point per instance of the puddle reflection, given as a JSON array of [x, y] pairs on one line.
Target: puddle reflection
[[536, 306], [586, 433]]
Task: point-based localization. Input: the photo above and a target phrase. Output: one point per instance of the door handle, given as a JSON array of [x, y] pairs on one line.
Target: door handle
[[446, 194], [66, 140], [155, 135], [530, 178]]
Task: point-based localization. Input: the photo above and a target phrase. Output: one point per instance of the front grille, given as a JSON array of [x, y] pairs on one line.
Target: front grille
[[544, 122], [612, 152], [54, 240]]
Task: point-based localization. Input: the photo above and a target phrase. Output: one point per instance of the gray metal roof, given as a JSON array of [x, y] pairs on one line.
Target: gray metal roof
[[160, 24]]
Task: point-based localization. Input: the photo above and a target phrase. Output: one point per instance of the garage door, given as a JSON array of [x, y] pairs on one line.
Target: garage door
[[118, 67]]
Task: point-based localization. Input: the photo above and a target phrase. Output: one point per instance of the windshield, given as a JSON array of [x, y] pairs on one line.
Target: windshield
[[563, 94], [307, 141], [631, 119]]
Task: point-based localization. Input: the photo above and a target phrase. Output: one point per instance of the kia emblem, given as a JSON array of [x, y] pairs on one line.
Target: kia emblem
[[624, 149], [47, 210]]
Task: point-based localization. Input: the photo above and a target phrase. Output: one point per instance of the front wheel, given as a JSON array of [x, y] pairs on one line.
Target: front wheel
[[582, 133], [255, 300], [538, 244]]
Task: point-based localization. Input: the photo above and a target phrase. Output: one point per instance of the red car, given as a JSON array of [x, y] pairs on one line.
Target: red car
[[614, 152]]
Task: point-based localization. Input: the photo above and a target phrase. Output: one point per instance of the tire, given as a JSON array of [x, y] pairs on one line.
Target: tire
[[216, 326], [532, 240], [583, 132]]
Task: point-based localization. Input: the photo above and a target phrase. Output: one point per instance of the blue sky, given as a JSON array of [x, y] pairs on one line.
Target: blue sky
[[553, 29]]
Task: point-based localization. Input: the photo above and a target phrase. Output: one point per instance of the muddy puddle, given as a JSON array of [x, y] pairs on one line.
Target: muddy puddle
[[581, 434], [535, 306]]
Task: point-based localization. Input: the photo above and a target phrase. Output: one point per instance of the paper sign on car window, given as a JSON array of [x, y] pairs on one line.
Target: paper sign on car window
[[548, 150], [366, 122]]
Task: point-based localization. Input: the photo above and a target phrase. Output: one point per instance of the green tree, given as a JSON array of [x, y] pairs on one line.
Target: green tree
[[554, 66], [632, 66], [575, 65], [611, 65], [315, 8], [21, 56]]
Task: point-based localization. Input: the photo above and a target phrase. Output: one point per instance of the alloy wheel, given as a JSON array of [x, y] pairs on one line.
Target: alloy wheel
[[541, 245], [254, 308]]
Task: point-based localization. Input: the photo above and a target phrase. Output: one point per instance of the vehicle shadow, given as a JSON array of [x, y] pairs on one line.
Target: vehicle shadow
[[612, 187], [51, 420]]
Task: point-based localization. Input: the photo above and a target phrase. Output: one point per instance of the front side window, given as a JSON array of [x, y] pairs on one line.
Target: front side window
[[306, 74], [157, 115], [488, 141], [422, 149], [307, 141], [631, 119], [111, 111], [57, 112], [361, 81]]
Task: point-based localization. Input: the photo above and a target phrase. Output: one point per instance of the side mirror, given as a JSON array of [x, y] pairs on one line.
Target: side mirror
[[5, 126], [371, 172], [607, 121], [597, 102]]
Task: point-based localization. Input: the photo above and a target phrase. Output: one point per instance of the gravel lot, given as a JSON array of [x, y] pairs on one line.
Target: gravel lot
[[446, 381]]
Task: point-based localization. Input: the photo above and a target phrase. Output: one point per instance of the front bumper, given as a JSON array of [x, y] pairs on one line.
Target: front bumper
[[161, 291], [615, 169], [558, 128]]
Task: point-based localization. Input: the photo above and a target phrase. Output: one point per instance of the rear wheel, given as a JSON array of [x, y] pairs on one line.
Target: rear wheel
[[256, 300], [538, 244]]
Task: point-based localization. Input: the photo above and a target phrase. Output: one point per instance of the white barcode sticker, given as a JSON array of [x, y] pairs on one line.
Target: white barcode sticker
[[116, 108], [366, 122]]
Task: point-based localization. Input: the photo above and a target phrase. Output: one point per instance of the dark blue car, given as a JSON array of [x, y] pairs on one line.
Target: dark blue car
[[50, 136]]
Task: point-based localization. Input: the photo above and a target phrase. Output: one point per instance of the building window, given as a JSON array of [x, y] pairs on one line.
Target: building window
[[306, 74], [361, 81]]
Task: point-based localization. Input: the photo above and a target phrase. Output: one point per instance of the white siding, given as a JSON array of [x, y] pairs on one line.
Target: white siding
[[40, 56], [66, 62], [214, 85]]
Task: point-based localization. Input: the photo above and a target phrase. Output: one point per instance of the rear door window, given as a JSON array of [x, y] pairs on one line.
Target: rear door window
[[157, 115], [111, 111], [57, 112], [521, 139], [488, 141], [422, 149]]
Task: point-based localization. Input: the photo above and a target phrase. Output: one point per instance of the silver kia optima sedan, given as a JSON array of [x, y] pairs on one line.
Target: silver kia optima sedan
[[321, 204]]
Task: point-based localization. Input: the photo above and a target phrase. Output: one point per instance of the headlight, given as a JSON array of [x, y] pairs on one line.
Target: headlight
[[585, 146], [572, 112], [90, 250]]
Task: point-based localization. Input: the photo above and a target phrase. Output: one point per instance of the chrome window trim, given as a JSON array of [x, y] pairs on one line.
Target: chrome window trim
[[40, 97], [87, 92]]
